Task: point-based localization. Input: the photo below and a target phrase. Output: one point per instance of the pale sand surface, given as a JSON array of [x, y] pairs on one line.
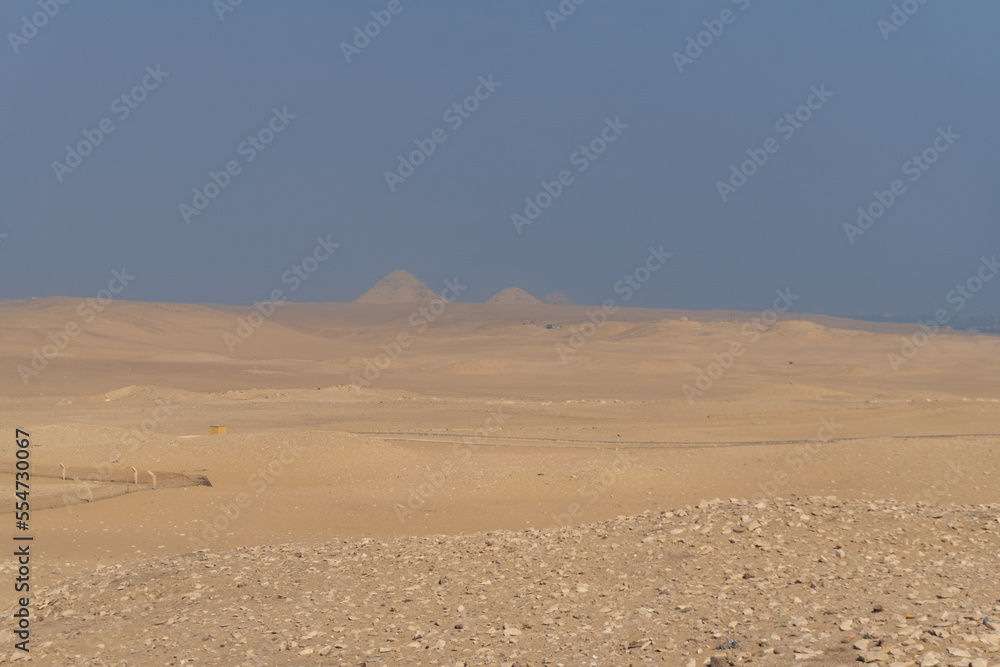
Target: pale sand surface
[[548, 443]]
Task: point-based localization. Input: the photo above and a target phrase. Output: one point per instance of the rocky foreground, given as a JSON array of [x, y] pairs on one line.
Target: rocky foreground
[[811, 581]]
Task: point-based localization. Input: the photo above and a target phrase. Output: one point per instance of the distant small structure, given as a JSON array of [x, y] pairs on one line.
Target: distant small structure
[[511, 296], [557, 298], [217, 430]]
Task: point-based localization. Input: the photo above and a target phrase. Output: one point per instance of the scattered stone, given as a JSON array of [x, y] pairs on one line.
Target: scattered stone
[[511, 631], [521, 594]]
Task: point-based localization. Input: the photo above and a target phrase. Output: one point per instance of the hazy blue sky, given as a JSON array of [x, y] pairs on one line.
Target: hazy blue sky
[[657, 183]]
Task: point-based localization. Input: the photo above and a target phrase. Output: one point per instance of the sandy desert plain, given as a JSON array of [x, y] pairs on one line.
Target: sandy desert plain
[[479, 501]]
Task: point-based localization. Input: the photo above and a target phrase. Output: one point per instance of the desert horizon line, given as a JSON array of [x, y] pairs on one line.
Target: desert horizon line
[[401, 287], [983, 323]]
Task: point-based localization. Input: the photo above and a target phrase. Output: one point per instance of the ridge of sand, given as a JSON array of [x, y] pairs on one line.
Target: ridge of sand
[[398, 287], [513, 295], [637, 352], [169, 333]]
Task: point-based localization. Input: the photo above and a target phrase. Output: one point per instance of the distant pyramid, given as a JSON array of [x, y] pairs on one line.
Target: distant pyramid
[[557, 298], [513, 295], [397, 287]]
